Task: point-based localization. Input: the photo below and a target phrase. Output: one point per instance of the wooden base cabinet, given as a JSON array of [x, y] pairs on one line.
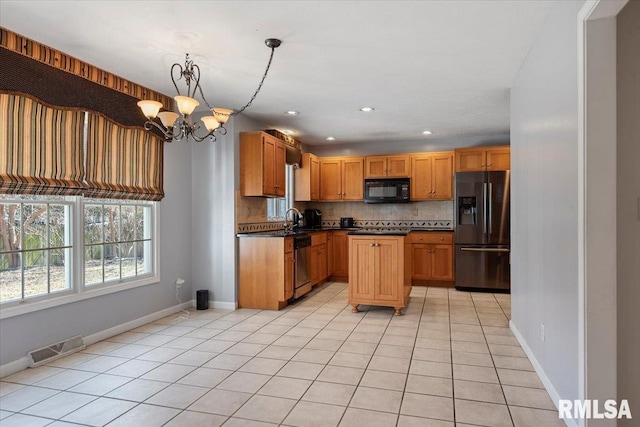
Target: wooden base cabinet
[[317, 258], [339, 259], [266, 272], [432, 256], [379, 271]]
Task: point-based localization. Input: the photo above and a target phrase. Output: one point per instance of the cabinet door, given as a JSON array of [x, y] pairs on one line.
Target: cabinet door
[[353, 178], [279, 172], [330, 179], [268, 165], [323, 272], [398, 166], [315, 178], [499, 159], [471, 160], [421, 176], [330, 253], [313, 265], [387, 271], [375, 166], [361, 269], [442, 181], [441, 262], [288, 276], [421, 261], [340, 253]]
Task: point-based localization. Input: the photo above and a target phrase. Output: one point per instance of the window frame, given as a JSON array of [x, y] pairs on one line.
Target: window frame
[[274, 203], [79, 291]]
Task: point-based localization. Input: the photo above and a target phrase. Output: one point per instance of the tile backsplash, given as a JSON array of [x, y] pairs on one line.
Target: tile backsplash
[[432, 210]]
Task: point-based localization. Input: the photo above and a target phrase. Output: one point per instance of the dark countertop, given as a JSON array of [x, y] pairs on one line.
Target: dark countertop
[[354, 230]]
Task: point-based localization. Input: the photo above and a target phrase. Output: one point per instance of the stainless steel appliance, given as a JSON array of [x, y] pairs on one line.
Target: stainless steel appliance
[[302, 283], [483, 231], [386, 190], [312, 219]]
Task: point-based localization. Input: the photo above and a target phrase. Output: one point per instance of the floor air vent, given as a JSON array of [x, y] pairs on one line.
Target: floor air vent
[[55, 351]]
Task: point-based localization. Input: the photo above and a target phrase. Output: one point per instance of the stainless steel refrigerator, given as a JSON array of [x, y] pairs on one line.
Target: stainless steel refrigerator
[[482, 231]]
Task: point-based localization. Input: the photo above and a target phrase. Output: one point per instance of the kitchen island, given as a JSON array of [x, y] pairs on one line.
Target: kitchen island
[[379, 268]]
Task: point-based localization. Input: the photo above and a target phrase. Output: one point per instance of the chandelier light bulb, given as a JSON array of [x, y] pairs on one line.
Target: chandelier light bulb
[[186, 104], [210, 123], [221, 114], [149, 108], [168, 118]]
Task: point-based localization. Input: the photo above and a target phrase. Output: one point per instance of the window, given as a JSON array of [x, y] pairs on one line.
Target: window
[[277, 208], [55, 245]]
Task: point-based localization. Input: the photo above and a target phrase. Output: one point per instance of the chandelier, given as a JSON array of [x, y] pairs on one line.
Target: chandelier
[[174, 126]]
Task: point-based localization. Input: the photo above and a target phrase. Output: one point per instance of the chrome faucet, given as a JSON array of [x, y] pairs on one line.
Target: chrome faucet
[[288, 227]]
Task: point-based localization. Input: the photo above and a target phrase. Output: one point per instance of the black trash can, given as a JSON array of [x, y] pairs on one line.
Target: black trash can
[[202, 300]]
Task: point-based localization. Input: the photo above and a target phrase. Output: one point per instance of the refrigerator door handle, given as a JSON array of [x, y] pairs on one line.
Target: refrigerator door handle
[[485, 249], [490, 202], [484, 208]]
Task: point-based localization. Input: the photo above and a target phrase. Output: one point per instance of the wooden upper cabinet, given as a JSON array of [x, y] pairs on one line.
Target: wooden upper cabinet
[[342, 178], [432, 176], [307, 178], [480, 159], [352, 178], [387, 166], [262, 165]]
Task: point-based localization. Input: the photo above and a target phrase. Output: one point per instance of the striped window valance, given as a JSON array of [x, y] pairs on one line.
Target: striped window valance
[[41, 148], [122, 163], [46, 150]]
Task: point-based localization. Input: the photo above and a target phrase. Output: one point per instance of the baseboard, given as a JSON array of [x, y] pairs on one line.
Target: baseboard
[[23, 363], [553, 393], [222, 305]]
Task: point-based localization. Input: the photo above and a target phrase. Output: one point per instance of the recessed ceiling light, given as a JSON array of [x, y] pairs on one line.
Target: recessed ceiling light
[[367, 109], [427, 132], [330, 138], [287, 131], [291, 113]]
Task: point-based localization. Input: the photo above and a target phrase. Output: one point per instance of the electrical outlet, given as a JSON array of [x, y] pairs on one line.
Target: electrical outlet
[[542, 332], [179, 282]]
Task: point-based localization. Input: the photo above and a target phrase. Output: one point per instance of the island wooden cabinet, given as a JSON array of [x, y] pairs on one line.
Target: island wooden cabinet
[[432, 176], [262, 165], [479, 159], [432, 256], [317, 258], [342, 178], [379, 271], [307, 178], [387, 166], [266, 276]]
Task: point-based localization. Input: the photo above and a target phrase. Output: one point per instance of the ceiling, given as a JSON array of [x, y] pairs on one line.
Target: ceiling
[[443, 66]]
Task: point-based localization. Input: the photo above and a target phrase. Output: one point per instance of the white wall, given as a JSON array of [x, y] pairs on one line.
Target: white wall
[[628, 220], [544, 203], [215, 178], [20, 334], [428, 143]]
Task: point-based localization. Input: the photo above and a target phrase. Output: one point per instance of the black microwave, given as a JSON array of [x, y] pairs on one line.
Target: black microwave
[[386, 190]]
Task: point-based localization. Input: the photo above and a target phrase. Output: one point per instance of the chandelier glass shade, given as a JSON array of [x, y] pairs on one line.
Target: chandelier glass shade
[[174, 126]]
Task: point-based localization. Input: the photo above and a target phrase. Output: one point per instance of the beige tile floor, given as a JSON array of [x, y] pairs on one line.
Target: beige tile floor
[[450, 360]]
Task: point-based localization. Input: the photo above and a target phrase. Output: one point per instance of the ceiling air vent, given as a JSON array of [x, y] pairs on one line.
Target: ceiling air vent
[[55, 351]]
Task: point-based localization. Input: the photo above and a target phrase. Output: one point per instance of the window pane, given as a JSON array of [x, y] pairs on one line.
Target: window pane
[[128, 223], [35, 273], [58, 277], [57, 227], [10, 278], [112, 263], [10, 226], [111, 225], [93, 224], [128, 259], [93, 265], [140, 214], [34, 222]]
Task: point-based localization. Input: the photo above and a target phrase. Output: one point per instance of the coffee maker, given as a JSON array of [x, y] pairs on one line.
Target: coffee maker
[[312, 219]]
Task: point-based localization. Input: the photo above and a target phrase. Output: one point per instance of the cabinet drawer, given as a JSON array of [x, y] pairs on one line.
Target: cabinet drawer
[[431, 237], [318, 238], [288, 245]]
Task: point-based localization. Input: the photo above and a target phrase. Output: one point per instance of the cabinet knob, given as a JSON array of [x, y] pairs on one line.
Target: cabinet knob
[[442, 238], [420, 238]]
